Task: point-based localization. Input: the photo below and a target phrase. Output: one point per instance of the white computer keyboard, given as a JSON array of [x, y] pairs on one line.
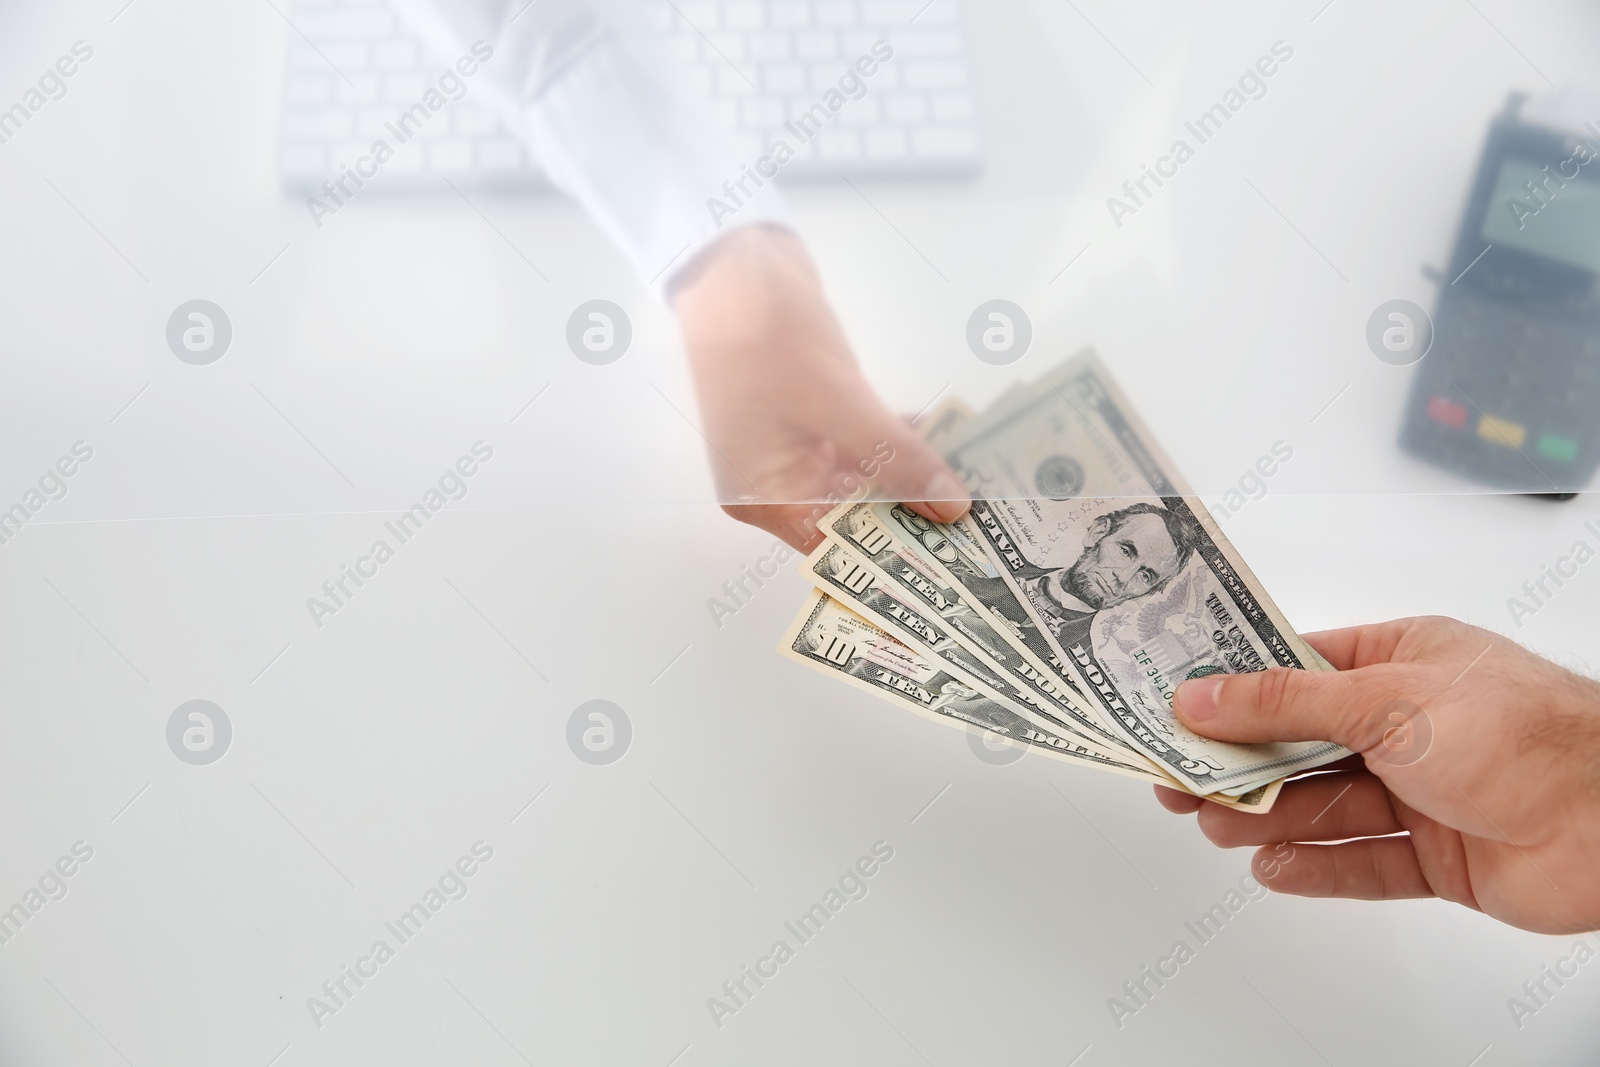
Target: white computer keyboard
[[759, 63]]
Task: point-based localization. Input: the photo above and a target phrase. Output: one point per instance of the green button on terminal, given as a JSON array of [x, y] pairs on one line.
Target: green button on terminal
[[1554, 446]]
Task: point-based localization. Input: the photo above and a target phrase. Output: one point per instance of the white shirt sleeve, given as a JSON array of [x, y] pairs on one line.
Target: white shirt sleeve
[[607, 121]]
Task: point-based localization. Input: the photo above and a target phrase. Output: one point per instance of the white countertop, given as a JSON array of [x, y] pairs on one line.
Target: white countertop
[[371, 753]]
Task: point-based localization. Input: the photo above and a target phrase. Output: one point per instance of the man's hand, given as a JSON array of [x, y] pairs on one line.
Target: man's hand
[[1483, 758], [788, 413]]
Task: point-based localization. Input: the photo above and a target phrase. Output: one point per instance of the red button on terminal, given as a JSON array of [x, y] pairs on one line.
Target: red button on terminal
[[1447, 411]]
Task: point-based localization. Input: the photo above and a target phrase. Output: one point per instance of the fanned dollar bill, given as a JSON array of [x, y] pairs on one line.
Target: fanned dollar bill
[[1123, 572], [848, 579], [955, 551], [828, 637], [860, 529], [1085, 586]]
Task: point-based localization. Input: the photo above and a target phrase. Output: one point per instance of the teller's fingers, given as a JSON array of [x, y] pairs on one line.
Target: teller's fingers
[[1384, 868], [793, 523], [906, 467], [1329, 807]]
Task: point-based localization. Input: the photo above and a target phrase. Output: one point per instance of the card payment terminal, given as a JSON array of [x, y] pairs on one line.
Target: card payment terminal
[[1508, 395]]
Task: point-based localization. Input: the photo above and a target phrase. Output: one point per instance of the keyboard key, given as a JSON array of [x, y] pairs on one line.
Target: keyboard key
[[817, 44], [347, 24], [802, 105], [761, 112], [926, 44], [839, 144], [346, 57], [825, 76], [939, 13], [438, 125], [786, 78], [473, 120], [345, 156], [890, 12], [699, 80], [856, 43], [769, 47], [952, 107], [864, 112], [451, 154], [703, 17], [943, 143], [743, 15], [790, 14], [500, 153], [935, 75], [394, 55], [888, 144], [906, 108], [728, 46], [417, 122], [370, 120], [360, 89], [731, 82], [888, 79], [405, 88], [406, 160], [836, 14], [683, 47]]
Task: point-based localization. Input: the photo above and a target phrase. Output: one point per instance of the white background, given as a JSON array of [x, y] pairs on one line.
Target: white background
[[375, 750]]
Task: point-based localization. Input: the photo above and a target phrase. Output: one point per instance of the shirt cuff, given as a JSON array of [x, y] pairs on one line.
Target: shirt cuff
[[660, 179], [610, 123]]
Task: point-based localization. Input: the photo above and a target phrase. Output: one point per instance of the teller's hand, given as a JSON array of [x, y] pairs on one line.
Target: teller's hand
[[789, 416]]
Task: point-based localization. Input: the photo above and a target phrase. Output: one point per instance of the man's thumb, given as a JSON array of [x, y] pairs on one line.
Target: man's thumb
[[1285, 704]]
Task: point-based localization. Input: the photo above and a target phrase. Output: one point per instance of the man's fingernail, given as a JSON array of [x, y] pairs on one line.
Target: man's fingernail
[[1197, 698], [947, 497]]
